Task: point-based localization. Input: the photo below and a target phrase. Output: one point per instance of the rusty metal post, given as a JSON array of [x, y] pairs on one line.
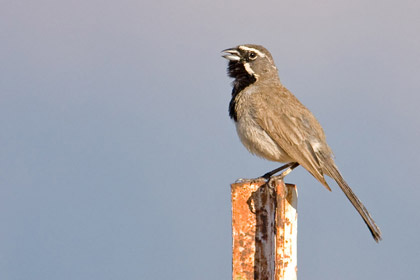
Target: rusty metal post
[[264, 230]]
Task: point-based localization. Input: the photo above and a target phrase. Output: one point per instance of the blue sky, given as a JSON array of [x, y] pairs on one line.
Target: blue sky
[[117, 150]]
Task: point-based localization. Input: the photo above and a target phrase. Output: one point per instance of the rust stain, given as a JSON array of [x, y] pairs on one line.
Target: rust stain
[[243, 230], [261, 230]]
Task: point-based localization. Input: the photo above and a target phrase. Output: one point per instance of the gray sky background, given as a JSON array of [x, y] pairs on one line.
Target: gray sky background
[[117, 150]]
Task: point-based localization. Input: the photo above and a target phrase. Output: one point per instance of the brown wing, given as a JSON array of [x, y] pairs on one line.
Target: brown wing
[[293, 127]]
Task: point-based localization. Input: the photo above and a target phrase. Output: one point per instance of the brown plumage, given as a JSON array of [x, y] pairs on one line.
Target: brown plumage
[[273, 124]]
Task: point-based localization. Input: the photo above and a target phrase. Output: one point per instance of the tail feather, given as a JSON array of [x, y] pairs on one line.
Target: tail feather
[[332, 171]]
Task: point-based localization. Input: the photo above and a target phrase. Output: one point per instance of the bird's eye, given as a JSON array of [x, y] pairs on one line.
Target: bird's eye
[[252, 55]]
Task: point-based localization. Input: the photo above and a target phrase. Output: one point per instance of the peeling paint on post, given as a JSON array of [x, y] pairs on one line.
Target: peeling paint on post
[[264, 230], [286, 237]]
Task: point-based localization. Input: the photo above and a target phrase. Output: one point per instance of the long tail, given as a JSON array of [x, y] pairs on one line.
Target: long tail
[[332, 171]]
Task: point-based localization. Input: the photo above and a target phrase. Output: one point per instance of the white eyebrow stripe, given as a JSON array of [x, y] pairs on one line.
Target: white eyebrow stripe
[[251, 49]]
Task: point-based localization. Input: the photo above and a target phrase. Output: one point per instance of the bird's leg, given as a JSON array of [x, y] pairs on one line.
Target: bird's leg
[[272, 172], [288, 170], [289, 166]]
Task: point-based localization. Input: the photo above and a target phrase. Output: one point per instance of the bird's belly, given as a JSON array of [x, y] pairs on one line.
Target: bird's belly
[[258, 142]]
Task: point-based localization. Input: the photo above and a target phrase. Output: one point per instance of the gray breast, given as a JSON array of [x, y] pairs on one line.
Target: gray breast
[[257, 141]]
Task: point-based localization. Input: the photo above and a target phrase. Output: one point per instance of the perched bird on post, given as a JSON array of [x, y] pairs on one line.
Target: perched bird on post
[[273, 124]]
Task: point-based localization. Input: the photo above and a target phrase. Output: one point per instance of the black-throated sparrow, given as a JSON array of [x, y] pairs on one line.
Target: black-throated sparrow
[[273, 124]]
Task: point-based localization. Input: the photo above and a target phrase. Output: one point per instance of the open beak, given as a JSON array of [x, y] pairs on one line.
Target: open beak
[[231, 54]]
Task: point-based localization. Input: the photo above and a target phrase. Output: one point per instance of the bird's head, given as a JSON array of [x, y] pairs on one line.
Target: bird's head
[[250, 62]]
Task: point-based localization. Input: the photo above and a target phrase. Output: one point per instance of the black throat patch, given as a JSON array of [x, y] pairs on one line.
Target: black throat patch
[[243, 79]]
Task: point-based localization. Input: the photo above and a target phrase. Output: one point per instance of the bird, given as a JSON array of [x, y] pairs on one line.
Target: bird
[[273, 124]]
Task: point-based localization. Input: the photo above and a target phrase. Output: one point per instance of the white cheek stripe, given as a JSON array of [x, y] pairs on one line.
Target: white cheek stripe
[[252, 49], [248, 69]]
